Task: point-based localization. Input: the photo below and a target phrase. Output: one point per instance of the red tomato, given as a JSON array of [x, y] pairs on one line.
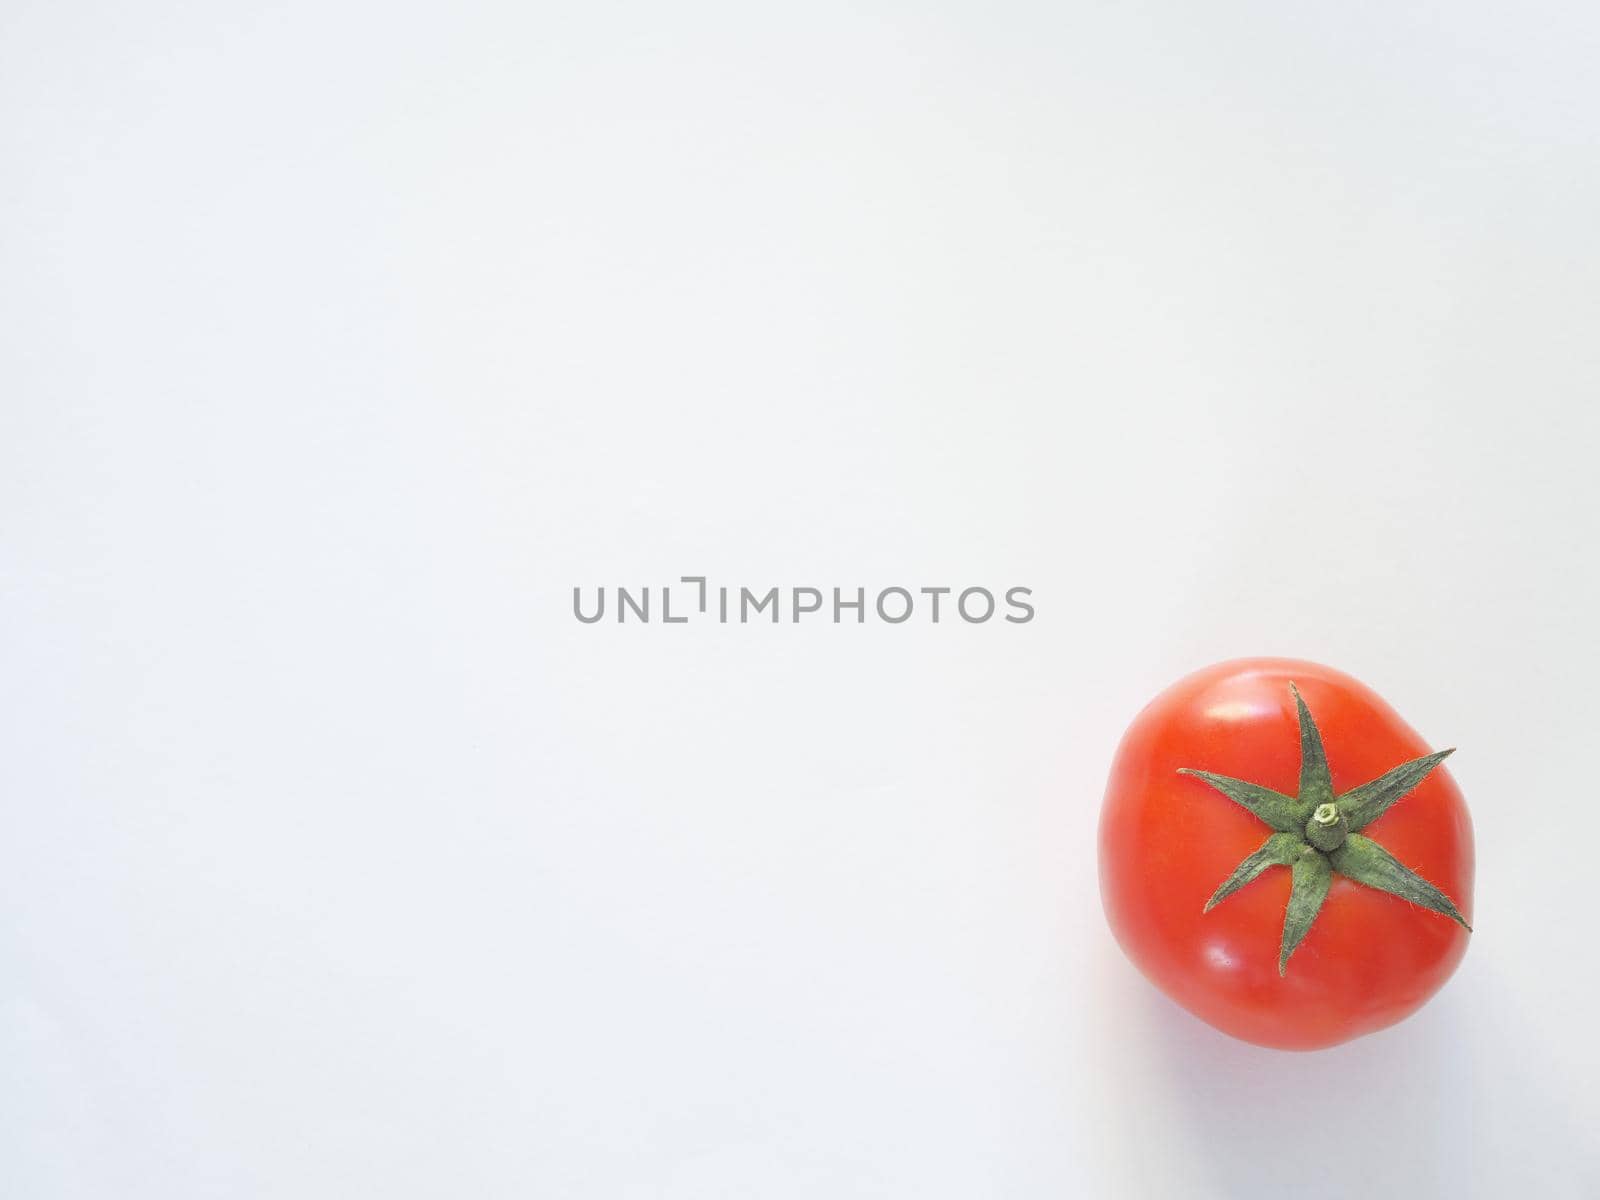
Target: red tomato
[[1168, 840]]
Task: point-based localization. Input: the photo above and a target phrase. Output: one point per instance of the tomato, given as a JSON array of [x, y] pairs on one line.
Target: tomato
[[1292, 935]]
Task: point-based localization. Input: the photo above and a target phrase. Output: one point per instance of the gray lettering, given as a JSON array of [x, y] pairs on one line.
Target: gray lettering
[[809, 608], [701, 580], [1011, 599], [746, 596], [961, 603], [903, 616], [625, 601], [600, 608]]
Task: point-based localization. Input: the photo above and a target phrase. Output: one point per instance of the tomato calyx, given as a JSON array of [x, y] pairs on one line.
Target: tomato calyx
[[1317, 835], [1328, 827]]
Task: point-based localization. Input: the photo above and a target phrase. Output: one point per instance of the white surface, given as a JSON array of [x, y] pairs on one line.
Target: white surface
[[341, 341]]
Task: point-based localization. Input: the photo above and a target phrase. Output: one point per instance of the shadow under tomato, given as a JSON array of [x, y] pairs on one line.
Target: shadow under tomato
[[1380, 1116], [1474, 1096]]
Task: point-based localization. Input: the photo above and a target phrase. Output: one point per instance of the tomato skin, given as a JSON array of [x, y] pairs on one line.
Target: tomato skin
[[1168, 840]]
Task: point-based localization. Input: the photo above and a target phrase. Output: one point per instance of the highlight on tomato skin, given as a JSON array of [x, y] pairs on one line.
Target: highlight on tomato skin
[[1282, 855]]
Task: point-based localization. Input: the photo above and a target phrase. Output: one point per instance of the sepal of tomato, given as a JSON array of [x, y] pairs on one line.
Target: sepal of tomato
[[1239, 830]]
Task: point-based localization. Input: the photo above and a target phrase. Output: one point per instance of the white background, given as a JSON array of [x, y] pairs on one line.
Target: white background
[[338, 342]]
